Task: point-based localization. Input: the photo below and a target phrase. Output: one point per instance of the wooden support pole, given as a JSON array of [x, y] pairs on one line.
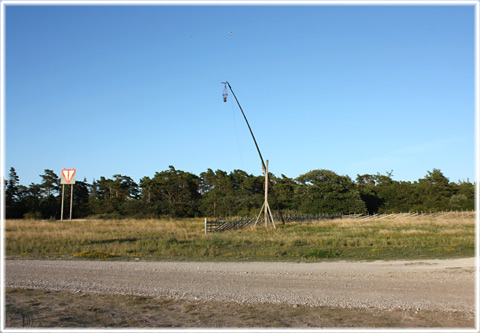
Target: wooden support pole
[[258, 217], [271, 217], [266, 207], [63, 197], [265, 171], [71, 200]]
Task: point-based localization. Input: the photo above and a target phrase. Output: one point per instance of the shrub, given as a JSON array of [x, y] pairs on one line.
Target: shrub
[[320, 254], [32, 216]]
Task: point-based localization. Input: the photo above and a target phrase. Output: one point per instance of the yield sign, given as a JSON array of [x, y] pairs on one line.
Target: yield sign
[[68, 175]]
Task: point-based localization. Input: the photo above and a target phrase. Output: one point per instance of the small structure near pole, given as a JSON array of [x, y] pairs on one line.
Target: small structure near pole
[[225, 93], [68, 178]]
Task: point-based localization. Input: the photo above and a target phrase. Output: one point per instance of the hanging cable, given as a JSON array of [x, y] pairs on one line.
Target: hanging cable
[[236, 135]]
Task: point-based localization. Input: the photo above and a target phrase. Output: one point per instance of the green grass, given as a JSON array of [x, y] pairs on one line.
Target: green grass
[[394, 237]]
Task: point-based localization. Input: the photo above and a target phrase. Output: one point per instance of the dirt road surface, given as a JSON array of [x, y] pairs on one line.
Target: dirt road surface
[[445, 285]]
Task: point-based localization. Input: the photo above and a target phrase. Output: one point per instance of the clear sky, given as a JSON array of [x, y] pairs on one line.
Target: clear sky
[[133, 89]]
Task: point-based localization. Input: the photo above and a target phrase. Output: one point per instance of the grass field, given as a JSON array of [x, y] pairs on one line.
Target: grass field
[[446, 235]]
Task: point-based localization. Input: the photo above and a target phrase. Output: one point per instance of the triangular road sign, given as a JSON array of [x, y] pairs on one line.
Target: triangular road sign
[[68, 175]]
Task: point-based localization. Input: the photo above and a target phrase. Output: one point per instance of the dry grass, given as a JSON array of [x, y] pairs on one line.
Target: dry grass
[[384, 237], [414, 231]]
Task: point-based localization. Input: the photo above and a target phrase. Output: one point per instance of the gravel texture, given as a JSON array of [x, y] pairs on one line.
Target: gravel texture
[[439, 285]]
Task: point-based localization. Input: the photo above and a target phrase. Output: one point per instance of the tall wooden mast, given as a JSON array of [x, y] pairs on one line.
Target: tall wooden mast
[[264, 167]]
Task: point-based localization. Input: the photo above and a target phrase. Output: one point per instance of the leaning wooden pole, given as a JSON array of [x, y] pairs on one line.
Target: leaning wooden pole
[[259, 153]]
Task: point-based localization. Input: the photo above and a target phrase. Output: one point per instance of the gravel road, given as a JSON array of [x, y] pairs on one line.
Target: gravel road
[[443, 285]]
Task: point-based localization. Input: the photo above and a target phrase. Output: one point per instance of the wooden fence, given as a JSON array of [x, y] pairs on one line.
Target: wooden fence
[[223, 225], [239, 223], [451, 214]]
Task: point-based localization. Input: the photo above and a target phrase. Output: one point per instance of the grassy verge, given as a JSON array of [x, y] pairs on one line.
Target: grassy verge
[[40, 308], [392, 237]]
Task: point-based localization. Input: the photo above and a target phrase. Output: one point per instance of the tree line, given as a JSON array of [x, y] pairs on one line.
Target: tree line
[[176, 193]]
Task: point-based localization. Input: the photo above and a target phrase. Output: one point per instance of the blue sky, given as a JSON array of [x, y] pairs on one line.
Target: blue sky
[[133, 89]]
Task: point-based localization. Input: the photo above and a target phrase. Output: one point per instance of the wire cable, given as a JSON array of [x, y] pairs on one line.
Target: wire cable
[[236, 135]]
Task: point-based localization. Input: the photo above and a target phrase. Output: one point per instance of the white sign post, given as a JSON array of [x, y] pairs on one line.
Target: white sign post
[[68, 177]]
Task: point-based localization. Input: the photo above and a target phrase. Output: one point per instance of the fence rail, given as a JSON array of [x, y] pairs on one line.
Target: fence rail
[[242, 222], [239, 223], [467, 213]]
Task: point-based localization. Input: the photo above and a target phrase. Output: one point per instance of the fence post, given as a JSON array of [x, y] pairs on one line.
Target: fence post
[[205, 225]]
